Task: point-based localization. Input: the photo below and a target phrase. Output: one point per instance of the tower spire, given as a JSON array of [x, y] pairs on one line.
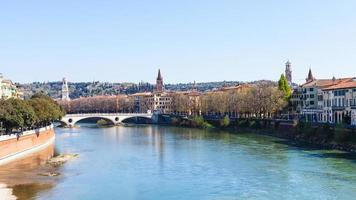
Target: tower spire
[[159, 77], [310, 76], [159, 82]]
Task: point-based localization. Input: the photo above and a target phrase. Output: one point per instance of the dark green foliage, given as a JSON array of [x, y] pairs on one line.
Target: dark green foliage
[[243, 123], [199, 122], [25, 114]]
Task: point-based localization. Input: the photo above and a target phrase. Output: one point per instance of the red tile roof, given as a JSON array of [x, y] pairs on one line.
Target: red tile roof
[[343, 85], [325, 83]]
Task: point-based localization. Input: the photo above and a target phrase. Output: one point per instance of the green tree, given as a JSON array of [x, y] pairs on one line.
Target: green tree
[[9, 118], [284, 87], [16, 114], [20, 114], [46, 109], [225, 122], [26, 112]]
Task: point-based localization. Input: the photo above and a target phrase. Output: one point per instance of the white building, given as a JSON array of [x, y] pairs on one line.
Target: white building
[[325, 100], [8, 89], [339, 102]]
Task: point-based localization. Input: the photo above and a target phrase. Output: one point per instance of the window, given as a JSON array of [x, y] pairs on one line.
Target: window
[[320, 97], [312, 96], [311, 89], [311, 102]]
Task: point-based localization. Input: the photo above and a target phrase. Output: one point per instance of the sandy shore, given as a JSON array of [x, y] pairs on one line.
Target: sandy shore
[[6, 193]]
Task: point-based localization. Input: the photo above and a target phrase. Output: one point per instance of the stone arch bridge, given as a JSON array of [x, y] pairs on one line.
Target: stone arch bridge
[[116, 118]]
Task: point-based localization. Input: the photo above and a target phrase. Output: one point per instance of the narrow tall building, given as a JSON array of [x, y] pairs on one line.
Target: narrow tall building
[[65, 90], [159, 82], [288, 72]]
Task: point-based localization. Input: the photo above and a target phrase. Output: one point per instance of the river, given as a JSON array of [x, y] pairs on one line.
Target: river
[[155, 162]]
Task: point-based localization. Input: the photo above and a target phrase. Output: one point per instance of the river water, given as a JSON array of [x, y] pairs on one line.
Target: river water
[[153, 162]]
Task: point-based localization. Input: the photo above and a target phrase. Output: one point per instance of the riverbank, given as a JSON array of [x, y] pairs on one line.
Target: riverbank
[[28, 176], [322, 136]]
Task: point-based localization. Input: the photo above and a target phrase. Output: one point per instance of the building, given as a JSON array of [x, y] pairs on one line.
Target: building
[[141, 102], [8, 89], [288, 73], [339, 102], [157, 101], [326, 100], [65, 90]]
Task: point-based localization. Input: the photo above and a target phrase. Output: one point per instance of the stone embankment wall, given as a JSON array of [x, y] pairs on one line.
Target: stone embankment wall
[[16, 146]]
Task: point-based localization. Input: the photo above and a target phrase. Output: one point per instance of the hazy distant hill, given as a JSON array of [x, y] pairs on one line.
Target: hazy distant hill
[[85, 89]]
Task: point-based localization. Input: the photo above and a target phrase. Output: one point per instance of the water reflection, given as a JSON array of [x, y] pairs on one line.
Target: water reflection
[[29, 191], [155, 162], [23, 175]]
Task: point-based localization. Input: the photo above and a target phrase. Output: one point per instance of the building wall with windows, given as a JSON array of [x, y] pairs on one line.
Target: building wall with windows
[[327, 100], [150, 102], [8, 89], [309, 102], [161, 102], [340, 103]]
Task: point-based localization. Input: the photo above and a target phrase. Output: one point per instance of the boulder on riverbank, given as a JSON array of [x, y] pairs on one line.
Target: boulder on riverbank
[[49, 174], [61, 159]]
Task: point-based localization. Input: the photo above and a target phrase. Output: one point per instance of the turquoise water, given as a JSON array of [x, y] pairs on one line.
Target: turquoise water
[[151, 162]]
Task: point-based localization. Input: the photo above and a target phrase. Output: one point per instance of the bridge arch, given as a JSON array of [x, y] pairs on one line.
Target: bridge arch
[[115, 118], [97, 118], [60, 123], [136, 119]]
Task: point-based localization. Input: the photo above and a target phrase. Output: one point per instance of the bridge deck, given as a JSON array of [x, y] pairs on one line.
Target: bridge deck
[[107, 114]]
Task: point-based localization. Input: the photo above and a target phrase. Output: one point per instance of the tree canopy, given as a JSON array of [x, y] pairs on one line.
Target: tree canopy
[[284, 87], [38, 111]]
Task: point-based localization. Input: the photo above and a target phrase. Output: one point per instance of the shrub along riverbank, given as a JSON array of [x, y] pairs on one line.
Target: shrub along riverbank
[[324, 136]]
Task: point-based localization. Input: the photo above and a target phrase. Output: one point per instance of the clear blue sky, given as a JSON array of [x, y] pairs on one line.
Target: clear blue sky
[[189, 40]]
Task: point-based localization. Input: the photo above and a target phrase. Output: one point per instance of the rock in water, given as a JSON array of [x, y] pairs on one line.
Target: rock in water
[[51, 174], [61, 159]]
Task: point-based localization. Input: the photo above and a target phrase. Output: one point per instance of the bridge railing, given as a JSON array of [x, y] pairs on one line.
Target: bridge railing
[[107, 114]]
